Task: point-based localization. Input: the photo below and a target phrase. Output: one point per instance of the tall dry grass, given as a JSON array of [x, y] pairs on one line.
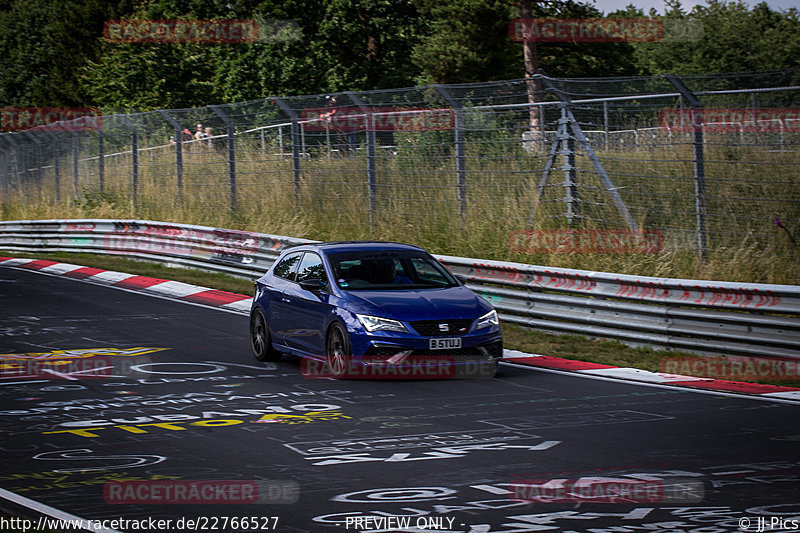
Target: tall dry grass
[[417, 202]]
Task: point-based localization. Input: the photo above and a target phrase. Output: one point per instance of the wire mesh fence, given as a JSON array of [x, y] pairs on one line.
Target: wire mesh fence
[[710, 161]]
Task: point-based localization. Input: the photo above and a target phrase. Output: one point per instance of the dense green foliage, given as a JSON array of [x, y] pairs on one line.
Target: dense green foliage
[[52, 52]]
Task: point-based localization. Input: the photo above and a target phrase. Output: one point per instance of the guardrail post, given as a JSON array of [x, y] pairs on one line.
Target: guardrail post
[[372, 186], [461, 160], [178, 151], [134, 157], [231, 130], [696, 107], [295, 137]]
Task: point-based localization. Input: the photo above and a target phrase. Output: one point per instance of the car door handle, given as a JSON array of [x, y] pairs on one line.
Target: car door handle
[[285, 300]]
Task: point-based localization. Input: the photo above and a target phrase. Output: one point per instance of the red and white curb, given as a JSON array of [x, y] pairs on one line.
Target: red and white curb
[[161, 287], [241, 304], [660, 378]]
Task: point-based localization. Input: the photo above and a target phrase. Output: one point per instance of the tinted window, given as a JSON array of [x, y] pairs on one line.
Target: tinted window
[[311, 267], [392, 269], [286, 266]]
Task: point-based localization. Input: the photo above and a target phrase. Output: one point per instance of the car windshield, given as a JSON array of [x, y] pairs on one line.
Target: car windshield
[[389, 270]]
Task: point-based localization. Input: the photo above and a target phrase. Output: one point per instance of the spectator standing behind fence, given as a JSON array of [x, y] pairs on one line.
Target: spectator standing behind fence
[[209, 142], [186, 136], [344, 140]]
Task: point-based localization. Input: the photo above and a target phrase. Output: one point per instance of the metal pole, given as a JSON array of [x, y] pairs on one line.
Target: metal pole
[[134, 158], [461, 160], [56, 164], [605, 124], [372, 185], [101, 162], [76, 147], [699, 162], [570, 175], [178, 152], [263, 144], [753, 107], [295, 135], [231, 130], [578, 134], [37, 160]]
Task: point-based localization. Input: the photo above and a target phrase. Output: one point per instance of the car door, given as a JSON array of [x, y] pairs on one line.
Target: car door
[[275, 307], [307, 311]]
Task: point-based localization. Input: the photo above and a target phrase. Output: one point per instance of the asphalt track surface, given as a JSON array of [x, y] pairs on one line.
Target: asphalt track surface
[[172, 395]]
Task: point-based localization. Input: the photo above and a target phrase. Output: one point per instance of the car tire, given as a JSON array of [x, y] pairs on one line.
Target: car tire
[[337, 351], [260, 340]]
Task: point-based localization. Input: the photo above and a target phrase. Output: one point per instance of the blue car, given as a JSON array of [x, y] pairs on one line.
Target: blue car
[[372, 309]]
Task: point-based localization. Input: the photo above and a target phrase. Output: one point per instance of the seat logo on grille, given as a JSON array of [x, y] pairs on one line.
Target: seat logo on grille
[[444, 327]]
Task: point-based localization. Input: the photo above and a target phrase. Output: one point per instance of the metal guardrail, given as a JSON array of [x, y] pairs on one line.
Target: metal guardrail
[[690, 315]]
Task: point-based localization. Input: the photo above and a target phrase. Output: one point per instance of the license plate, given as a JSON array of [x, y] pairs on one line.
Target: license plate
[[445, 344]]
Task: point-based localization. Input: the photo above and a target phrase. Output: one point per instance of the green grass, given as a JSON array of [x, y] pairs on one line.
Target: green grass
[[576, 347]]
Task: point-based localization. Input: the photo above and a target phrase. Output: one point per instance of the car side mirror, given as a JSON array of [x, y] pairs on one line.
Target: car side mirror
[[462, 279], [313, 285]]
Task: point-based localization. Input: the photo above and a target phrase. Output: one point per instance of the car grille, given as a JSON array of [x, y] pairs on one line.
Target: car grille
[[430, 328]]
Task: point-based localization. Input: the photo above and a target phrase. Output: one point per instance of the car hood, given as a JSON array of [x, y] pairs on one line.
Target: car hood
[[421, 304]]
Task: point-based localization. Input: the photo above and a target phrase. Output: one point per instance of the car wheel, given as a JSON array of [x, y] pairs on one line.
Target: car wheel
[[260, 340], [338, 351]]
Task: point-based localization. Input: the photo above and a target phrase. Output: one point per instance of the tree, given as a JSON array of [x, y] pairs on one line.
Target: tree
[[44, 43]]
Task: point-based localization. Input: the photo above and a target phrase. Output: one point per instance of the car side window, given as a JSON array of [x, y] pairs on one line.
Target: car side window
[[427, 272], [286, 267], [311, 267]]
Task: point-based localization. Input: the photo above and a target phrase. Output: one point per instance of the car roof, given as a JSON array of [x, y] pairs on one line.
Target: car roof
[[356, 246]]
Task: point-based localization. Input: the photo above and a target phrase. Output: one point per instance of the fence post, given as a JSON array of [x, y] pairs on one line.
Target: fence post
[[101, 160], [753, 107], [37, 159], [56, 164], [178, 151], [231, 130], [76, 147], [461, 160], [372, 186], [587, 146], [7, 169], [134, 157], [567, 141], [295, 137], [699, 162], [605, 125]]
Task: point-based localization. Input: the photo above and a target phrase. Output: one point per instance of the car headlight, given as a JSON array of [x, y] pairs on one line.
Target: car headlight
[[377, 323], [489, 319]]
